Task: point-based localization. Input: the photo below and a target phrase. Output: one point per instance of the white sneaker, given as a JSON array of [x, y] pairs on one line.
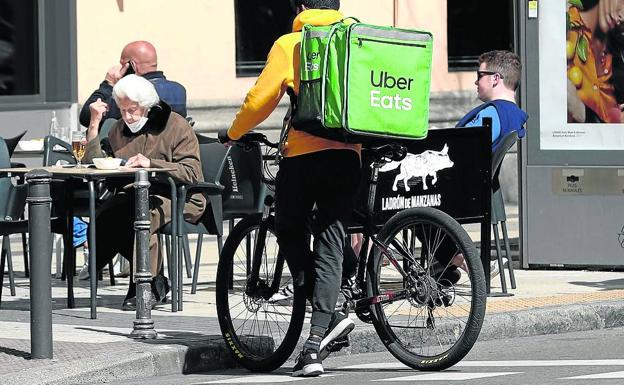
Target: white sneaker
[[284, 297], [84, 272]]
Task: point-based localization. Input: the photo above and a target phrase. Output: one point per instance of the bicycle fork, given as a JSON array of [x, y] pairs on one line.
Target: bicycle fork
[[255, 285]]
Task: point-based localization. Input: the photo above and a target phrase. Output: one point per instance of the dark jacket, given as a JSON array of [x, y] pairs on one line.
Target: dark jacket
[[171, 92]]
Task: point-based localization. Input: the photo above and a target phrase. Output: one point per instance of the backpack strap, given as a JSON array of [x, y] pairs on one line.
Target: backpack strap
[[286, 124]]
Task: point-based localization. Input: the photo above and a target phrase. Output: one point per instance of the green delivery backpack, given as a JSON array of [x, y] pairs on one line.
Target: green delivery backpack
[[360, 82]]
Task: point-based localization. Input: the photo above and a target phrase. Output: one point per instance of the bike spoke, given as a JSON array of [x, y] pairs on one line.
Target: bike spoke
[[424, 323]]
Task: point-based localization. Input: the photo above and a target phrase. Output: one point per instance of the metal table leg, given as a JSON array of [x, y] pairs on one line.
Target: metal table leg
[[92, 250], [69, 261]]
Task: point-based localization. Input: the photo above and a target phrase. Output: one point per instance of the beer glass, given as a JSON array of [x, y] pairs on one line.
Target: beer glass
[[79, 144]]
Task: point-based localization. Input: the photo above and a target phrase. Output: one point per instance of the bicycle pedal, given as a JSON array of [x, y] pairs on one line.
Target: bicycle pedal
[[338, 344]]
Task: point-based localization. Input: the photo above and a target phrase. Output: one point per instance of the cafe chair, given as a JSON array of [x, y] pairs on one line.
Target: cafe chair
[[12, 203], [212, 155], [11, 144], [243, 192], [498, 210], [63, 155], [187, 255]]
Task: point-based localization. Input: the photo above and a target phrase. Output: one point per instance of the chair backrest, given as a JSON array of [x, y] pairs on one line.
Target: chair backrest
[[50, 157], [106, 127], [212, 157], [498, 203], [11, 143], [242, 178], [498, 156], [5, 183]]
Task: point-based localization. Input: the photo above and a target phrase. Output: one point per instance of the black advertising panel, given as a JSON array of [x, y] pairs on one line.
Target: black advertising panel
[[449, 170]]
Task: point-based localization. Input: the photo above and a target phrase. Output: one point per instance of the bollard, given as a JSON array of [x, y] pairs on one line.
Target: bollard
[[40, 249], [143, 324]]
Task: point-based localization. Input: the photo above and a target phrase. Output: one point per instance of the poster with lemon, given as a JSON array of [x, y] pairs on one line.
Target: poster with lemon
[[586, 75]]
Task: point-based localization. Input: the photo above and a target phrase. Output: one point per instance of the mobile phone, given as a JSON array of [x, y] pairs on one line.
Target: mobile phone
[[130, 69]]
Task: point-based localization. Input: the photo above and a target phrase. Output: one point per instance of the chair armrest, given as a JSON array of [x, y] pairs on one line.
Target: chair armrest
[[206, 187], [183, 190]]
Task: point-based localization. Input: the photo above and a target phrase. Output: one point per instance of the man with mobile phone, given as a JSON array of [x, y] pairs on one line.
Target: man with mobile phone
[[137, 57]]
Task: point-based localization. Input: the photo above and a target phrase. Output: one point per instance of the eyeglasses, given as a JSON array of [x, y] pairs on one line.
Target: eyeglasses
[[481, 74]]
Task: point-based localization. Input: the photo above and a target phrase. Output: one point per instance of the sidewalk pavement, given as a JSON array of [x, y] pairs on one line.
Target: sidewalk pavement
[[95, 351]]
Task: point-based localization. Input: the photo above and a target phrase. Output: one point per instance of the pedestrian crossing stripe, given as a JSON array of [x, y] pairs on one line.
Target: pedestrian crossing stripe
[[598, 376], [518, 363], [261, 379], [447, 376]]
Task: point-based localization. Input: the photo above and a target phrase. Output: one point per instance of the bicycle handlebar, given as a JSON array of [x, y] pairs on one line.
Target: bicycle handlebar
[[256, 137], [387, 152], [248, 138]]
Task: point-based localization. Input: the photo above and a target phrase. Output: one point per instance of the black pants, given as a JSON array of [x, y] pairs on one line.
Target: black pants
[[328, 179], [115, 234]]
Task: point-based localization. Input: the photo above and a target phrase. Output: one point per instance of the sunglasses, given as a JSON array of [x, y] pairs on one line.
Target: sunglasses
[[481, 74]]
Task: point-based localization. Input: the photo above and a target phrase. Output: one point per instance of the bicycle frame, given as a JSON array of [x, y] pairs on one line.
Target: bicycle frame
[[257, 287], [366, 257]]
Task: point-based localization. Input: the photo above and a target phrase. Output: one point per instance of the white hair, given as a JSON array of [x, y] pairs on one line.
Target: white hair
[[136, 88]]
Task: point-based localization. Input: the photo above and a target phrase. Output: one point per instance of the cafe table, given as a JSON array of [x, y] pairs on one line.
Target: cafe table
[[70, 176]]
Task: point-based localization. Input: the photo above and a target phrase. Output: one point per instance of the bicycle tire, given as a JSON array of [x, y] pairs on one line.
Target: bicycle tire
[[434, 326], [254, 328]]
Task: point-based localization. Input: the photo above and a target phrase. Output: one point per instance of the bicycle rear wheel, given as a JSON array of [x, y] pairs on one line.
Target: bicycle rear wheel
[[430, 318], [260, 325]]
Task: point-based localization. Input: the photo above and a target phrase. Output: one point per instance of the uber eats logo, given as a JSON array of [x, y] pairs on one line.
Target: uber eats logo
[[383, 79], [310, 65]]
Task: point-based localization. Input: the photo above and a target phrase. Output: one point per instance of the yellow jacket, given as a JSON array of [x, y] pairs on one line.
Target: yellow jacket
[[280, 73]]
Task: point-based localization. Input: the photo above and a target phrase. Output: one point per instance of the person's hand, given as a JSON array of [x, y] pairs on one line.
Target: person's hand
[[138, 161], [115, 73], [610, 14], [98, 110], [223, 137]]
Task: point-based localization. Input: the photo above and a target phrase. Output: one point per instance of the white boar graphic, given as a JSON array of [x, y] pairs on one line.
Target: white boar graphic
[[420, 165]]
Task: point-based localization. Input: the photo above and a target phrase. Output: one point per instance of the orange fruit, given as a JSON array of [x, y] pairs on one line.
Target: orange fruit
[[576, 76]]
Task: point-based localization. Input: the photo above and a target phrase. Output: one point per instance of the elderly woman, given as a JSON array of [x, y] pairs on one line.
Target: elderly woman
[[148, 134]]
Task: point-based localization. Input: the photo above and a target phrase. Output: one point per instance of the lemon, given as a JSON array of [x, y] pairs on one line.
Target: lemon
[[576, 76], [570, 49]]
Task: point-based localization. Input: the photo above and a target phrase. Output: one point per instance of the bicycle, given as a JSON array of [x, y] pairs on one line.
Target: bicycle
[[424, 319]]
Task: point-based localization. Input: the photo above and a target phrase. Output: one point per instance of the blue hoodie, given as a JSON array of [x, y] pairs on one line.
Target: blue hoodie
[[506, 118]]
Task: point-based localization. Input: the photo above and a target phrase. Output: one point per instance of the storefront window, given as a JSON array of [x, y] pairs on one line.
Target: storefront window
[[19, 60], [477, 26], [258, 24]]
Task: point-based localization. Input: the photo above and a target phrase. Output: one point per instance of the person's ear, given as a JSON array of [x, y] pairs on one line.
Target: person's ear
[[497, 79]]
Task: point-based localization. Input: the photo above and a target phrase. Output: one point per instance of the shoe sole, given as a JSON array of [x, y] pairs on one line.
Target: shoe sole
[[341, 330], [311, 370]]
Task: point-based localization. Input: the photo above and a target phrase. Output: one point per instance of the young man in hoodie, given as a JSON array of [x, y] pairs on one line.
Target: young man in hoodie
[[497, 80], [314, 171]]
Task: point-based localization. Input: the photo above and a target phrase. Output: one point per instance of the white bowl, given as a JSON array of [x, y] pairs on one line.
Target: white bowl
[[107, 163], [31, 145]]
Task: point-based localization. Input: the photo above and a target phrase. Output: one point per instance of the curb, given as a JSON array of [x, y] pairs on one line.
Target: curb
[[141, 362], [178, 357]]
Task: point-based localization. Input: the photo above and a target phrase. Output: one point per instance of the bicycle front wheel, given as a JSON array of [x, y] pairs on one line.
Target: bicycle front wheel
[[428, 311], [260, 324]]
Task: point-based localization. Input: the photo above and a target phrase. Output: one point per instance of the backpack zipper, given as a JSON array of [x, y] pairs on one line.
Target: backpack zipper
[[361, 39]]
